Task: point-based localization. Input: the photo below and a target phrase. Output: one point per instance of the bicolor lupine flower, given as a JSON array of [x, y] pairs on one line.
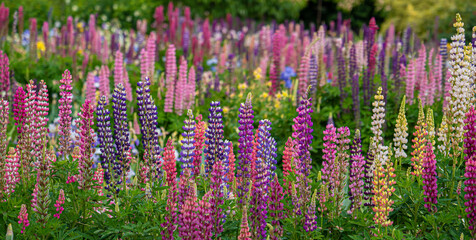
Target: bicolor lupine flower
[[86, 141], [276, 208], [121, 133], [419, 142], [59, 204], [41, 194], [400, 136], [356, 176], [459, 96], [383, 180], [4, 120], [430, 188], [188, 141], [214, 150], [205, 216], [99, 179], [341, 165], [149, 130], [244, 228], [169, 165], [12, 165], [443, 136], [245, 144], [106, 143], [65, 113], [171, 74], [199, 140], [19, 109], [23, 218]]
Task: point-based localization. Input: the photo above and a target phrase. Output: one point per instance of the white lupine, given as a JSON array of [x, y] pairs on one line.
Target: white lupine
[[443, 136], [378, 119], [400, 137]]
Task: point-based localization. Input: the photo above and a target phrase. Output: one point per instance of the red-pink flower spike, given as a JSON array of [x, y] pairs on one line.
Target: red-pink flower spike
[[65, 113], [12, 177], [4, 120], [188, 222], [41, 119], [199, 139], [99, 179], [59, 204], [470, 173], [23, 218], [288, 163], [181, 88], [86, 141], [231, 164], [274, 76], [169, 164], [4, 73], [19, 109], [244, 228], [171, 74]]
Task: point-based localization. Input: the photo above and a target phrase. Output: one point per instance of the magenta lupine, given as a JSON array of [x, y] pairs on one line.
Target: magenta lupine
[[245, 144], [274, 76], [23, 218], [329, 172], [59, 204], [159, 18], [12, 165], [356, 176], [181, 87], [276, 208], [217, 198], [470, 173], [86, 141], [205, 216], [206, 35], [19, 109], [4, 74], [118, 68], [188, 222], [171, 74], [430, 188], [65, 113]]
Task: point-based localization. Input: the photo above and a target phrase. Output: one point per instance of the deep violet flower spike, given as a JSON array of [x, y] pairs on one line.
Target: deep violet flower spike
[[470, 173], [214, 151], [121, 132], [106, 143], [245, 145], [302, 133], [188, 141]]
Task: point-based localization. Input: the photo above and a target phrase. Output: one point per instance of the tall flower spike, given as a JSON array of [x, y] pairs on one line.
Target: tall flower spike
[[4, 74], [169, 164], [181, 89], [311, 224], [443, 136], [230, 176], [205, 216], [188, 221], [217, 198], [65, 114], [378, 120], [86, 141], [12, 177], [329, 171], [356, 176], [106, 143], [23, 218], [188, 141], [430, 123], [41, 199], [430, 188], [198, 144], [59, 204], [244, 228], [214, 137], [245, 145], [383, 189], [288, 164], [400, 137], [4, 120], [419, 142], [121, 133], [118, 68], [276, 208], [41, 119], [171, 74], [470, 171]]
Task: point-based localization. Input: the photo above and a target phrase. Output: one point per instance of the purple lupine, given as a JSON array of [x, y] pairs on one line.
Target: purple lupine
[[259, 199], [353, 62], [245, 144], [217, 199], [356, 99], [147, 111], [470, 173], [65, 113], [430, 187], [121, 133], [368, 176], [329, 174], [356, 176], [302, 133], [406, 40], [276, 208], [188, 141], [310, 223], [214, 137], [106, 143], [313, 73], [341, 75]]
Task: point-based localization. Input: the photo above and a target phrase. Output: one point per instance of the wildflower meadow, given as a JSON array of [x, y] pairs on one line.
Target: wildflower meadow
[[199, 128]]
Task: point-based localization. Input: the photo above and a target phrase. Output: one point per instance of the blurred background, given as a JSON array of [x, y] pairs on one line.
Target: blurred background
[[430, 19]]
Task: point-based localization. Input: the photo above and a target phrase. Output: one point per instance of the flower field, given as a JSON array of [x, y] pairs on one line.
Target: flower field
[[192, 128]]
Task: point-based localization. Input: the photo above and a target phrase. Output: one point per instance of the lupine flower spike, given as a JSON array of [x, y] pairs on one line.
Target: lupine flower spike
[[23, 218]]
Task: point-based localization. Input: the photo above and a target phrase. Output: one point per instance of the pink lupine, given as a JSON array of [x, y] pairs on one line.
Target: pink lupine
[[127, 86], [410, 80], [23, 218], [274, 76], [171, 74], [41, 119], [244, 227], [181, 88], [59, 204], [12, 177], [437, 72], [104, 81], [205, 216], [159, 18], [65, 113], [105, 51], [4, 73], [144, 61], [303, 74], [151, 50], [90, 90], [99, 179], [118, 68], [329, 172], [188, 222]]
